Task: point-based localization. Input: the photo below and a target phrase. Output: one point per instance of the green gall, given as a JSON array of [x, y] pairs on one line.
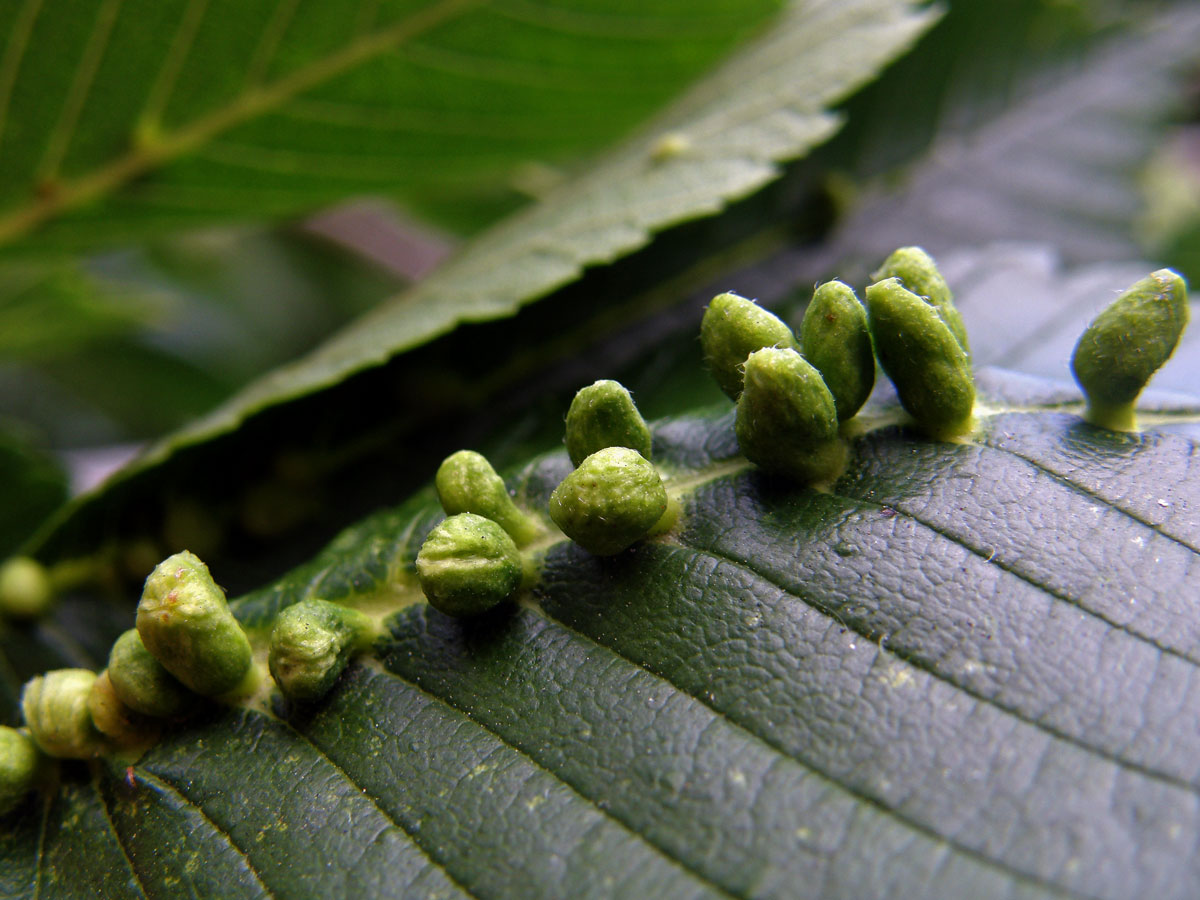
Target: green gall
[[786, 419], [56, 710], [25, 588], [467, 483], [923, 358], [612, 500], [1127, 344], [18, 767], [467, 565], [142, 683], [184, 621], [836, 339], [116, 721], [733, 328], [311, 644], [604, 415], [919, 273]]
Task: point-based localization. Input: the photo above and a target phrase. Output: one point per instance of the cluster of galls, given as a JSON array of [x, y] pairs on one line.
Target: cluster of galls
[[791, 394], [187, 650], [615, 497]]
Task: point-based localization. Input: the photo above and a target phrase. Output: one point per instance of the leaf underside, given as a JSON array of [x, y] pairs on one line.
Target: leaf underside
[[125, 119], [967, 670], [768, 105]]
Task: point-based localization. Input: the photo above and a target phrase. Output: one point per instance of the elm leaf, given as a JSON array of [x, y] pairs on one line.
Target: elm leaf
[[967, 669]]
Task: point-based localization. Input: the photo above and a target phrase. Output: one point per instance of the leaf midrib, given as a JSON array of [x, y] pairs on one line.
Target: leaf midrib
[[154, 152]]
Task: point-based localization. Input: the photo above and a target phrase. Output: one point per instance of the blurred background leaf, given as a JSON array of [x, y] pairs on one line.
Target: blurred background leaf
[[34, 486], [125, 125], [121, 119], [1053, 156]]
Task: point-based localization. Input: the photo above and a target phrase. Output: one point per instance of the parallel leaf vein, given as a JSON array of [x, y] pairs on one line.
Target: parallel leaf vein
[[246, 106], [1002, 564], [14, 52], [603, 812], [176, 54], [81, 85], [924, 666], [1085, 491], [164, 786], [967, 851], [424, 851]]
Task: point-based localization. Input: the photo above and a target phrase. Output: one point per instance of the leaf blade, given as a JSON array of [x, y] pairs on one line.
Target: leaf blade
[[798, 694], [550, 245], [159, 125]]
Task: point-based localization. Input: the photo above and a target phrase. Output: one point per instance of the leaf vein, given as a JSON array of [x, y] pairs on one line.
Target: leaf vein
[[269, 42], [81, 85], [166, 147], [176, 55], [14, 52], [420, 847], [999, 562], [1083, 489], [112, 830], [164, 786], [965, 850], [604, 813], [927, 667]]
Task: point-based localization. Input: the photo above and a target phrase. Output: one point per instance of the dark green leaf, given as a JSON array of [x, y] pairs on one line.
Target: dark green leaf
[[967, 670]]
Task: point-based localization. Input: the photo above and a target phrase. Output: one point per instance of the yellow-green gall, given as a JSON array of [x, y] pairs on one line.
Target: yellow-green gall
[[733, 328], [604, 415], [786, 419], [612, 500], [184, 621], [467, 565], [18, 767], [919, 273], [311, 644], [142, 683], [836, 339], [120, 724], [924, 359], [1127, 344], [55, 706], [25, 588], [467, 483]]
